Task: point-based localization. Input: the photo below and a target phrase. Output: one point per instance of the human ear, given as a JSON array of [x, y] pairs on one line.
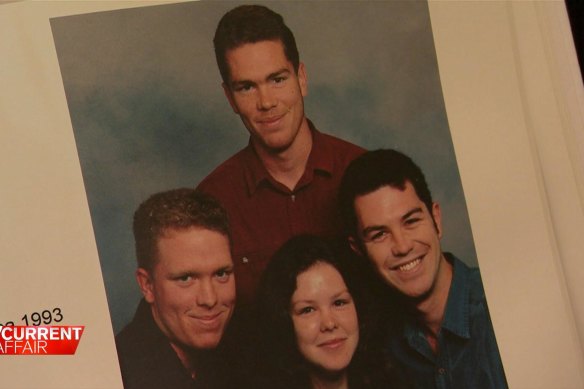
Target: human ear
[[230, 98], [302, 79], [437, 216], [145, 282], [355, 246]]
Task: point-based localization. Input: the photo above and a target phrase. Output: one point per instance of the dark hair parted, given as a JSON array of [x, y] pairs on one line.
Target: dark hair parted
[[251, 24], [177, 209], [376, 169], [284, 366]]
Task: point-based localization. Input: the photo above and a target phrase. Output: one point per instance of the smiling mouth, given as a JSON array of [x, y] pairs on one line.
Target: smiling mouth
[[333, 343], [209, 321], [271, 119], [408, 266]]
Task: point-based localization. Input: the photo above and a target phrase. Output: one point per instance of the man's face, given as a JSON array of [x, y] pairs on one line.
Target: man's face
[[191, 288], [400, 238], [265, 91]]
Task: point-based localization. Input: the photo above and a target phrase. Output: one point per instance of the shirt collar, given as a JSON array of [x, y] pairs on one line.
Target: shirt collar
[[321, 159], [322, 155], [457, 314]]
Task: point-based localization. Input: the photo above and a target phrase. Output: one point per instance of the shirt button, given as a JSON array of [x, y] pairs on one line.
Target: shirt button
[[244, 260], [441, 371]]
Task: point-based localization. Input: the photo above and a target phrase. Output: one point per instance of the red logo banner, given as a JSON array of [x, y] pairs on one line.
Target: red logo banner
[[40, 340]]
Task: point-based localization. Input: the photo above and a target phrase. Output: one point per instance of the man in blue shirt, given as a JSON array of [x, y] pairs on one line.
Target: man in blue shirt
[[446, 338]]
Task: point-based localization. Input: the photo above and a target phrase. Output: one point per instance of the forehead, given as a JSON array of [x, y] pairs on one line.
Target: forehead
[[264, 55], [194, 249], [320, 278], [386, 202]]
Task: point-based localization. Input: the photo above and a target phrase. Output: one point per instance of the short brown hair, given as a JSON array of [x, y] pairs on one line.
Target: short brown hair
[[176, 209], [251, 24]]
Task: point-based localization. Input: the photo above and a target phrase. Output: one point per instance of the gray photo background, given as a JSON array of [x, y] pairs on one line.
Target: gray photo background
[[149, 114]]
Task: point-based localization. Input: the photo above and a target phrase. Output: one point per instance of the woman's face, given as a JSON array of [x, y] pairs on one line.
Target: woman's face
[[324, 317]]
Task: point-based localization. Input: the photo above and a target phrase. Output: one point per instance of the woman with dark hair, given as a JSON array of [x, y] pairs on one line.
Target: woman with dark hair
[[314, 327]]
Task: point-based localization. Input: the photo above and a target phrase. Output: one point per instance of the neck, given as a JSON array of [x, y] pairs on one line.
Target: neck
[[431, 308], [287, 166], [337, 381]]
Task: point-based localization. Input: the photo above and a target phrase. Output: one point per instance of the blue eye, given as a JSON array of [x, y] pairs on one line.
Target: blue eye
[[223, 275]]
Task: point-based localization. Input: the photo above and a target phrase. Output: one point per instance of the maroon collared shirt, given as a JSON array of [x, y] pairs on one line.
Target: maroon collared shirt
[[264, 214]]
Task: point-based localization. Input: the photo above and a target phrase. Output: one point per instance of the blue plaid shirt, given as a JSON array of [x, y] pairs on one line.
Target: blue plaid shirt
[[468, 357]]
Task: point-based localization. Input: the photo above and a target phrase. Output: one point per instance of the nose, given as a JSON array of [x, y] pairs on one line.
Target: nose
[[328, 321], [402, 244], [206, 294], [266, 99]]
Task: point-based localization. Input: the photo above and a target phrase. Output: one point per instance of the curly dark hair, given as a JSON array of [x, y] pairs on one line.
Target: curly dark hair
[[176, 209], [284, 365], [373, 170]]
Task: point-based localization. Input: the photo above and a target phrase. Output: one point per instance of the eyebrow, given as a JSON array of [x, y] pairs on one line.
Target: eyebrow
[[278, 73], [410, 213], [223, 268], [334, 296], [270, 76], [198, 274], [374, 228], [179, 274]]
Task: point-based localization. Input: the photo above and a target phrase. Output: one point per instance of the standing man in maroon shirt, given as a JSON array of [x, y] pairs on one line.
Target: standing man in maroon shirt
[[285, 181]]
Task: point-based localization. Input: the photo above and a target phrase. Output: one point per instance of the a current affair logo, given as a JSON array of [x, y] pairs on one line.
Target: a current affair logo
[[40, 340]]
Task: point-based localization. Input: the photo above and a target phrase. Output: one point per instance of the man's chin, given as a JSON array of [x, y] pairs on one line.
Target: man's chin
[[273, 147], [415, 296], [200, 342], [408, 294], [205, 343]]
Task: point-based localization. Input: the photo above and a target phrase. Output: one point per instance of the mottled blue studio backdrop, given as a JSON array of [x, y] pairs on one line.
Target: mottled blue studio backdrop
[[149, 114]]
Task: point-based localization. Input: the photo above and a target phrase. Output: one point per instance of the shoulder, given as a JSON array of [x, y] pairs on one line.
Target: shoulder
[[467, 278], [333, 152], [146, 358], [131, 345], [229, 170], [477, 292], [133, 334], [340, 145], [137, 340]]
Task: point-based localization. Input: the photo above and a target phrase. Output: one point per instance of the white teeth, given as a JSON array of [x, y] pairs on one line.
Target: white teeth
[[410, 265]]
